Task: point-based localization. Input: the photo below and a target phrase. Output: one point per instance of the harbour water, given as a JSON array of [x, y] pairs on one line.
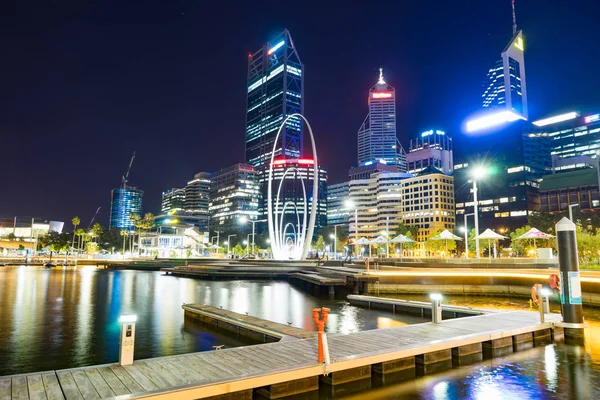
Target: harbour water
[[67, 317]]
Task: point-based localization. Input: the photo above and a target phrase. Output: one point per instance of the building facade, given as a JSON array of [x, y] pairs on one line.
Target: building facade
[[172, 200], [428, 202], [580, 187], [275, 91], [234, 194], [377, 140], [433, 148], [337, 197], [124, 202], [505, 85]]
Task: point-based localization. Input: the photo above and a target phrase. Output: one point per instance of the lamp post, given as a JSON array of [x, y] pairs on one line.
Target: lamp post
[[467, 235], [245, 219], [350, 204], [245, 243], [229, 242], [478, 173], [334, 238], [571, 210]]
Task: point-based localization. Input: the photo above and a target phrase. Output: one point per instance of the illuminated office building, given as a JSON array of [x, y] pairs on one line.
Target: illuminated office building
[[377, 141], [505, 84], [173, 199], [124, 202], [433, 148], [275, 90], [234, 194], [337, 197]]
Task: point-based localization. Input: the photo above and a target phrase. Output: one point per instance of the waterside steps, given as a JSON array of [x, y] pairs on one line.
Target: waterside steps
[[275, 370]]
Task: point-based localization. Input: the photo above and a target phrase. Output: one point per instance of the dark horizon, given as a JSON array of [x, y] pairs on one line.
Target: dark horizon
[[85, 85]]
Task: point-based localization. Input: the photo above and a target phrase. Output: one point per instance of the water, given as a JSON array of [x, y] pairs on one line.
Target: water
[[60, 318], [66, 317]]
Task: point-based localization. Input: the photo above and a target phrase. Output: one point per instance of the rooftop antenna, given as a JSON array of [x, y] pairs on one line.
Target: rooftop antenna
[[514, 18], [381, 81]]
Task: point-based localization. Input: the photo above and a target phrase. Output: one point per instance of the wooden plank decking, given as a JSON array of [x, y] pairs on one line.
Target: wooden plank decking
[[199, 375]]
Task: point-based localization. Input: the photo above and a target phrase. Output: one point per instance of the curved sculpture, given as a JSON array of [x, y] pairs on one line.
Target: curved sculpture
[[296, 249]]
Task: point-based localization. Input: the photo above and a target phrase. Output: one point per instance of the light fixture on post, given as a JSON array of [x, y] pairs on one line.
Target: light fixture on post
[[467, 235], [351, 205], [245, 219], [477, 173]]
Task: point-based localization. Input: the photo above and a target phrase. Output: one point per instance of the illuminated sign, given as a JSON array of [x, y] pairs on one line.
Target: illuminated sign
[[592, 118], [519, 43], [492, 120], [430, 132], [304, 161], [381, 95], [556, 119], [276, 47]]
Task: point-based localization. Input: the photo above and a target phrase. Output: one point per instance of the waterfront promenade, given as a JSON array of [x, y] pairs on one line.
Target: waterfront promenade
[[289, 367]]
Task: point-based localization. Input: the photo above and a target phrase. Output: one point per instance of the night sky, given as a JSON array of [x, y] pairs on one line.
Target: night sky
[[85, 83]]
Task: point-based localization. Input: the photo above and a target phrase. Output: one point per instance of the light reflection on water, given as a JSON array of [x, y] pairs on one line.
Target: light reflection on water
[[66, 317]]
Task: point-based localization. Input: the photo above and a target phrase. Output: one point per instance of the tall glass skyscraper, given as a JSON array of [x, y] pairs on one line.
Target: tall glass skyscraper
[[124, 202], [505, 85], [275, 91], [377, 142]]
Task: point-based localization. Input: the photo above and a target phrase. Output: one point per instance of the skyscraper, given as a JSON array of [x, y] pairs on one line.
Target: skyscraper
[[124, 202], [377, 141], [433, 148], [275, 91], [505, 85]]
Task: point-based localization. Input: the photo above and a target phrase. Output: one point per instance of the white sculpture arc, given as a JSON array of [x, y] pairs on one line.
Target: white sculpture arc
[[284, 248]]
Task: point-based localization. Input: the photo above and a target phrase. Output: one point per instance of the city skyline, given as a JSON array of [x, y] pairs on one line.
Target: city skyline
[[333, 117]]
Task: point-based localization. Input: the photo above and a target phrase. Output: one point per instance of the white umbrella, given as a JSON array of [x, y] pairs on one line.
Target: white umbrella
[[534, 234], [401, 239], [445, 235], [362, 241], [490, 235], [377, 240]]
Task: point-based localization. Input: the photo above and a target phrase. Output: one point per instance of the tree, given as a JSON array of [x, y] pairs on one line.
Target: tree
[[435, 246], [238, 250], [91, 247], [403, 229], [124, 233], [75, 221], [97, 230], [80, 233], [320, 243], [110, 239], [11, 236]]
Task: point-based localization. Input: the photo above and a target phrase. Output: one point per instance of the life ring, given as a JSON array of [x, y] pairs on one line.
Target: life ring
[[554, 282], [534, 294]]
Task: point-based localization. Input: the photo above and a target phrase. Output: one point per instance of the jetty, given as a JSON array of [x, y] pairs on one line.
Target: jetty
[[275, 370]]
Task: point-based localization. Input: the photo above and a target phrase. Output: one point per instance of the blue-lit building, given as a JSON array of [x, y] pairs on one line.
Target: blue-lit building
[[124, 202], [505, 85], [377, 141], [275, 91]]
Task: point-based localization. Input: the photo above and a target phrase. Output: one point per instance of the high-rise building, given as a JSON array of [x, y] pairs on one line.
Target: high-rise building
[[377, 141], [234, 194], [365, 171], [433, 148], [173, 199], [574, 187], [505, 84], [124, 202], [187, 205], [573, 140], [275, 91], [298, 176], [337, 197]]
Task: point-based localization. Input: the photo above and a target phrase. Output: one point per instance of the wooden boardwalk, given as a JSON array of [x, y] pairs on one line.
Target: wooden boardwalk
[[232, 320], [205, 374]]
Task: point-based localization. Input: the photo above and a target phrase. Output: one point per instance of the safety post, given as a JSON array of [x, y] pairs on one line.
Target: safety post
[[570, 284], [436, 308], [127, 341], [323, 348]]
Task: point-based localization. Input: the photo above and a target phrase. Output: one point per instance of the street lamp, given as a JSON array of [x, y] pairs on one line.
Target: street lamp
[[571, 210], [351, 205], [245, 219], [477, 173], [466, 228], [229, 242]]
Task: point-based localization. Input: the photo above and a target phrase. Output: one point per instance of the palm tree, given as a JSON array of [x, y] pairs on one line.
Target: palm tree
[[124, 233], [137, 221], [80, 233], [75, 221]]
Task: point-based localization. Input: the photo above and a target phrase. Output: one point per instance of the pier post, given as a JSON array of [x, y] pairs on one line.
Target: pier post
[[321, 331], [570, 284]]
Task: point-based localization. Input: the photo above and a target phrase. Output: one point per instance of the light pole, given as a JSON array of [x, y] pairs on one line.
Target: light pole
[[571, 210], [229, 242], [248, 241], [332, 236], [335, 238], [467, 235], [350, 204], [245, 219], [478, 173]]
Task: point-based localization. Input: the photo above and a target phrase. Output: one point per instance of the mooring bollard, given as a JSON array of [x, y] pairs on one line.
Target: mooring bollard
[[537, 288], [323, 349], [127, 341], [436, 308], [570, 284]]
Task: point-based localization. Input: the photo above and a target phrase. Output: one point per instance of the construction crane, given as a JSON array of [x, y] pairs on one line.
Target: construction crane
[[126, 176], [93, 218]]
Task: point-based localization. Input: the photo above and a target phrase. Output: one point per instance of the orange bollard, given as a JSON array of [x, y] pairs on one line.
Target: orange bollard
[[320, 328]]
